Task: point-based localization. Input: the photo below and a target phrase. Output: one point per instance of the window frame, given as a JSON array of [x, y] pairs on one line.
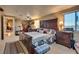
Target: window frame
[[76, 18]]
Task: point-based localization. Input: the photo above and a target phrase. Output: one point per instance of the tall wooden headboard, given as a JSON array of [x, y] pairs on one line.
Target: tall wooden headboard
[[50, 24]]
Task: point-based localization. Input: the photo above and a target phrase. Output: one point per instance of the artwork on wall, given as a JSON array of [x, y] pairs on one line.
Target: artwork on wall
[[9, 27], [8, 23]]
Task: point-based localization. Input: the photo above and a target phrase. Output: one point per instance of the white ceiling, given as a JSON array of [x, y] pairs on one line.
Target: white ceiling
[[35, 11]]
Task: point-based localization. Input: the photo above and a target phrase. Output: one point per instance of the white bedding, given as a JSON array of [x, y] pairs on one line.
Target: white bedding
[[36, 36]]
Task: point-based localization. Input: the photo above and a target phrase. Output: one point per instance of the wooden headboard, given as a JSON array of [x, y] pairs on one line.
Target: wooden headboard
[[50, 24]]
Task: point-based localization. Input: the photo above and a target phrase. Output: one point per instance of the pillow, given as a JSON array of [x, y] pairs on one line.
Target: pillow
[[45, 30], [42, 49], [41, 42], [51, 31], [36, 44], [40, 30]]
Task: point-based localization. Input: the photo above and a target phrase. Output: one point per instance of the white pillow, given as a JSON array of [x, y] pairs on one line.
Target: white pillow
[[41, 31], [36, 44]]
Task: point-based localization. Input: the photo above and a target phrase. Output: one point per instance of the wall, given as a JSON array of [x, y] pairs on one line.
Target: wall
[[37, 23], [18, 23], [60, 17]]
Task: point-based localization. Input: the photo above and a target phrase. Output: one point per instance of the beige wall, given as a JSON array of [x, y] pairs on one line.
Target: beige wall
[[18, 22], [60, 17], [37, 23]]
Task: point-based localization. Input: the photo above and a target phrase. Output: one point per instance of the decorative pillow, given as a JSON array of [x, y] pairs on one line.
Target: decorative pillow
[[36, 44], [45, 30], [40, 30], [41, 42], [33, 46], [42, 49], [51, 31]]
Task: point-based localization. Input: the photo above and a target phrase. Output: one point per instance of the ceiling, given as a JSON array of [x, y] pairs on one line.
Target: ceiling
[[34, 11]]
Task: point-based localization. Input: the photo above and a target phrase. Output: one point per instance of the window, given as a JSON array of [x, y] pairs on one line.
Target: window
[[77, 21], [71, 20]]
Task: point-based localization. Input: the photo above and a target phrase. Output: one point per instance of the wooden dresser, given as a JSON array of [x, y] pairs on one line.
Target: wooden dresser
[[64, 38]]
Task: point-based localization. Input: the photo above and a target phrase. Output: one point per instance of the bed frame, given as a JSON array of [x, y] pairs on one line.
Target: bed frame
[[27, 42]]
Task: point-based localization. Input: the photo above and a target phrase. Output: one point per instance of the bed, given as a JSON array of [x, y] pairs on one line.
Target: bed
[[37, 38]]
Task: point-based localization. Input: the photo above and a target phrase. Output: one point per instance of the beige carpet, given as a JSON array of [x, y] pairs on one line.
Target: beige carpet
[[2, 46], [13, 48], [60, 49]]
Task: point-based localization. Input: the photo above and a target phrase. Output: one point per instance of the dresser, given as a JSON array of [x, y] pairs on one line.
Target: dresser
[[64, 38]]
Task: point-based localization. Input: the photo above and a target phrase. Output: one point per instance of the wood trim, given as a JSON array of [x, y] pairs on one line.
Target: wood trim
[[2, 28]]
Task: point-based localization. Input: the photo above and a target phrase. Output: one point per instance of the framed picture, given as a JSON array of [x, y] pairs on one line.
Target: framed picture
[[8, 20], [9, 26]]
